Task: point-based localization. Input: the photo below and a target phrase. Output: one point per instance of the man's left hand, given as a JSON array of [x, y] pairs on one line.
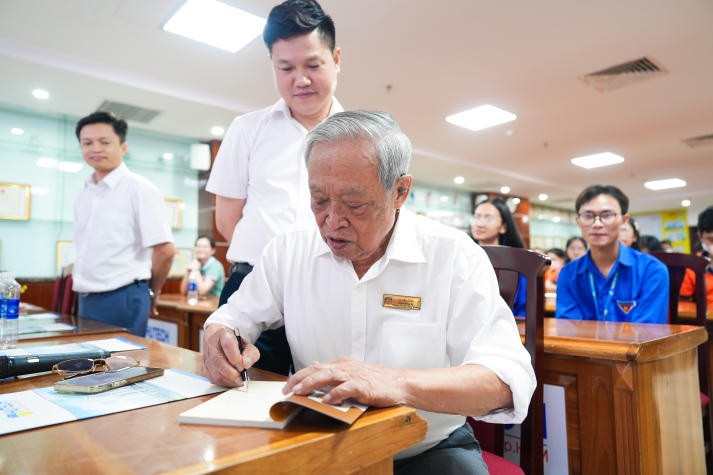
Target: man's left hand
[[373, 385]]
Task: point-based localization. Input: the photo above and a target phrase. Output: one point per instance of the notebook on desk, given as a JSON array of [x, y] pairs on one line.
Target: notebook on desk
[[264, 405]]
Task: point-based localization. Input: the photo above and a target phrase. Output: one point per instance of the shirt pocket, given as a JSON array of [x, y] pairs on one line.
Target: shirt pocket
[[413, 345]]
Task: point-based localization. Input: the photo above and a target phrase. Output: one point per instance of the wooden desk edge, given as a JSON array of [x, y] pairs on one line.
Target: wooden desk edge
[[406, 428], [626, 350]]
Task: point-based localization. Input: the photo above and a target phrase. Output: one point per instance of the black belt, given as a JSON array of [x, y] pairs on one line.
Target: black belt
[[241, 267], [135, 282]]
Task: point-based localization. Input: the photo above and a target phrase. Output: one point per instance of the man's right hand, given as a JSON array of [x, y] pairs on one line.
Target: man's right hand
[[222, 360]]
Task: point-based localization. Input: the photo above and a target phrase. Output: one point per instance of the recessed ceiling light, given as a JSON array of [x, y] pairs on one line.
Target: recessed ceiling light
[[505, 190], [217, 131], [516, 201], [16, 131], [459, 180], [481, 117], [665, 184], [216, 24], [542, 197], [40, 94], [167, 156], [444, 199], [597, 160], [685, 203]]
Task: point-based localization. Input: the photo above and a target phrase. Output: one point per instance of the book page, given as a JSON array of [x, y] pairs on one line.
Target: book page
[[238, 407], [264, 405]]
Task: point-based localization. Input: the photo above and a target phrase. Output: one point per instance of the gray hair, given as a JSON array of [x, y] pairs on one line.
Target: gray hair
[[392, 146]]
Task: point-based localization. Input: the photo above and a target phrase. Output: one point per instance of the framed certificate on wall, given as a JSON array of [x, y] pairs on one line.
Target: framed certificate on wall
[[173, 208], [14, 201]]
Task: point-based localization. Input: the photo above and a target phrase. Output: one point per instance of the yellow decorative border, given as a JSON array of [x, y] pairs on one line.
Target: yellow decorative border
[[14, 201]]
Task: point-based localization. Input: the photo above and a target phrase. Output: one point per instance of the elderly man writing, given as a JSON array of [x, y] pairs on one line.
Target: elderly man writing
[[379, 304]]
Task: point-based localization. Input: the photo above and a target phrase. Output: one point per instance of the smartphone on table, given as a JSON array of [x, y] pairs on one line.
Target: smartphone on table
[[105, 380]]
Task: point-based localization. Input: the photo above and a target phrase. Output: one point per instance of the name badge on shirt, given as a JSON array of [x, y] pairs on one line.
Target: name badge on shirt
[[401, 302], [626, 306]]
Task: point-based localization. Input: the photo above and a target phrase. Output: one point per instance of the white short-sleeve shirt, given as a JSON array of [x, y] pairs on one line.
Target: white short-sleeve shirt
[[116, 224], [261, 160], [329, 313]]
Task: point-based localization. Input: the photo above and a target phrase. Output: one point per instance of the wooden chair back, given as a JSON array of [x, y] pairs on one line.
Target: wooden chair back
[[509, 263]]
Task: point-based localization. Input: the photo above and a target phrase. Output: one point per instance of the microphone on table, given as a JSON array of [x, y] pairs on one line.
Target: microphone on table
[[27, 364]]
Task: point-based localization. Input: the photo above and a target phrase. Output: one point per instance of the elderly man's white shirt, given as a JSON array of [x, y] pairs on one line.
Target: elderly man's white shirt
[[329, 312], [261, 161]]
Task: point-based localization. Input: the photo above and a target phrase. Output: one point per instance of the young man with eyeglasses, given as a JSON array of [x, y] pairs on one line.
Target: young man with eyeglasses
[[611, 282]]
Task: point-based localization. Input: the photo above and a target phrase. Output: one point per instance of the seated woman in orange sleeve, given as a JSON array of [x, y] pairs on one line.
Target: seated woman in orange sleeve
[[557, 260], [705, 235]]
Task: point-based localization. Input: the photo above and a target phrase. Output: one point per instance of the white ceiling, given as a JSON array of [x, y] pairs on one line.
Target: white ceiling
[[420, 61]]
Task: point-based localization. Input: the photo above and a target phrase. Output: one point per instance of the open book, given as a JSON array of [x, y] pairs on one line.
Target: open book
[[264, 405]]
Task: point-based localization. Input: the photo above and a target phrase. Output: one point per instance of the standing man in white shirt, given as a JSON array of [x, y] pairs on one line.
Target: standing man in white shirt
[[121, 233], [379, 304], [259, 177]]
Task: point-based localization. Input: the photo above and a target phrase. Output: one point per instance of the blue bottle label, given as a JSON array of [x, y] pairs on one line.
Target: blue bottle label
[[192, 286], [10, 308]]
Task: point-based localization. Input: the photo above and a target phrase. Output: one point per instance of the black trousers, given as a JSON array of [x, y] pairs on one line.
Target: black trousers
[[459, 454], [275, 353]]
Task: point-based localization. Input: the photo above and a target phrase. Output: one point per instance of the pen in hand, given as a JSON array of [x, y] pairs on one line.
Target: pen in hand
[[244, 372]]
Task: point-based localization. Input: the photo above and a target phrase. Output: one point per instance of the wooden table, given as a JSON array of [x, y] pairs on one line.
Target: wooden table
[[152, 440], [188, 319], [631, 395]]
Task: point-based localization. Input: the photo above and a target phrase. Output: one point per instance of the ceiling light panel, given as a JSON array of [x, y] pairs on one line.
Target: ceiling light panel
[[216, 24], [597, 160], [666, 184], [481, 117]]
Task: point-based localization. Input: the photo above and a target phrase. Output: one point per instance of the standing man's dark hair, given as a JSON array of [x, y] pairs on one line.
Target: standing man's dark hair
[[100, 117], [298, 17]]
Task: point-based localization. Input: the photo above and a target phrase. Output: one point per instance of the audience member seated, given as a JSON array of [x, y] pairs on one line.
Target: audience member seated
[[667, 246], [649, 243], [212, 273], [576, 247], [704, 230], [557, 260], [612, 282], [629, 234], [492, 224]]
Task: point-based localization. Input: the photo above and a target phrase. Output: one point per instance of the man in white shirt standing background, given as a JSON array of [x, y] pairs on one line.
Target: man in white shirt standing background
[[259, 177], [121, 233]]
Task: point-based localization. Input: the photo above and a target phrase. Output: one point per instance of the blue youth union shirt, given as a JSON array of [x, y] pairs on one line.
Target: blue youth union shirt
[[636, 289]]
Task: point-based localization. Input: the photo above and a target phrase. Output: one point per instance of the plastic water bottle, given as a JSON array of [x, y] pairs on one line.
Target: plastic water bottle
[[193, 287], [9, 310]]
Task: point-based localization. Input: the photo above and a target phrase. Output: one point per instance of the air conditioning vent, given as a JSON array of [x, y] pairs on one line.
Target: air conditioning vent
[[623, 74], [129, 112], [700, 141]]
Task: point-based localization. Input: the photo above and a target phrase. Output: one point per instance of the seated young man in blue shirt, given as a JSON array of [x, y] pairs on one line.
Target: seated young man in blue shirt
[[611, 282]]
